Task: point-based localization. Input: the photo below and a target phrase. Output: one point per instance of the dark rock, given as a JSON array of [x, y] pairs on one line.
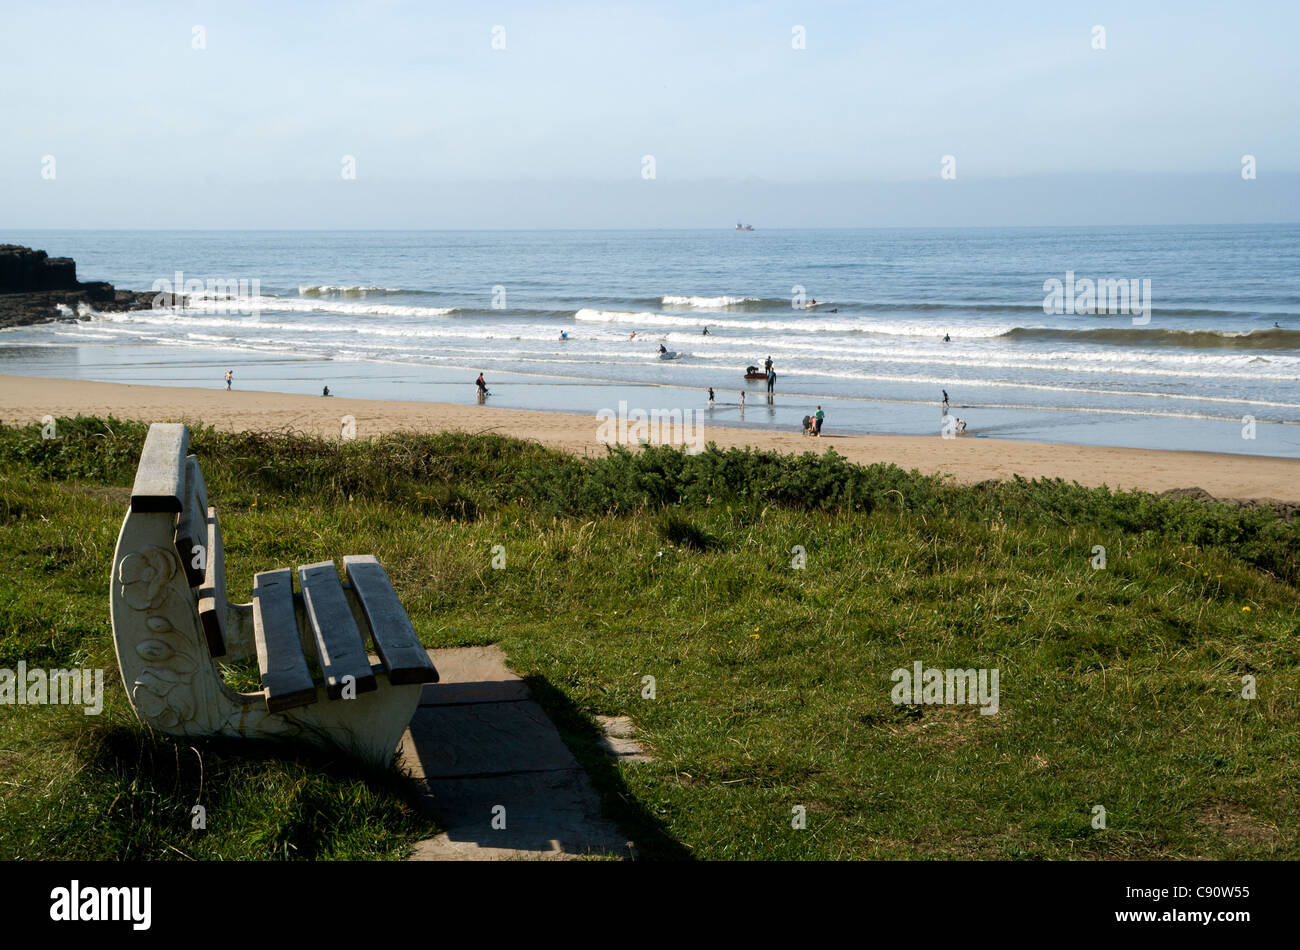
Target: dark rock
[[23, 270], [100, 291], [33, 285]]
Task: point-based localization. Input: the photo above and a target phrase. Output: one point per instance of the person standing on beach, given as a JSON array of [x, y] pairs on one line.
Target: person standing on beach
[[771, 381], [945, 401], [230, 375], [767, 365], [742, 401], [710, 397], [820, 416]]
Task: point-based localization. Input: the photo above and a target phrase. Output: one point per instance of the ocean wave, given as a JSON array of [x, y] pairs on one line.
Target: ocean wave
[[329, 290], [1033, 303], [708, 303], [1177, 365], [263, 304], [811, 323], [1145, 336]]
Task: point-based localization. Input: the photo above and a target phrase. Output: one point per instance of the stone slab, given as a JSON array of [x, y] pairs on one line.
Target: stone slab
[[481, 742], [483, 739], [617, 747], [617, 726], [472, 675], [547, 815]]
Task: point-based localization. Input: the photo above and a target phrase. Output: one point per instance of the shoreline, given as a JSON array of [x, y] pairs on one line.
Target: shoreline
[[25, 399]]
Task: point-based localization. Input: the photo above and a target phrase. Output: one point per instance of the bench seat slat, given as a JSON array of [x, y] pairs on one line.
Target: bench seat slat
[[160, 477], [396, 642], [212, 595], [338, 641], [285, 677]]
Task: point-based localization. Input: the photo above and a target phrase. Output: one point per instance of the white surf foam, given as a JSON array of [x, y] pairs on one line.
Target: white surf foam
[[290, 305], [327, 290], [805, 324], [706, 303]]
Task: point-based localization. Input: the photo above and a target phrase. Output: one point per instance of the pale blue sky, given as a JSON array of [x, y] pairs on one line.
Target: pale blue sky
[[148, 131]]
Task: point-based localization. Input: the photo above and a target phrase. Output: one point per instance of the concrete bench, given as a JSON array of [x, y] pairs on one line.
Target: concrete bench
[[172, 625]]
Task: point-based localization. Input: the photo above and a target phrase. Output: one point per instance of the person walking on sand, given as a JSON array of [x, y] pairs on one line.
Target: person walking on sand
[[710, 397], [230, 375], [742, 400], [819, 417]]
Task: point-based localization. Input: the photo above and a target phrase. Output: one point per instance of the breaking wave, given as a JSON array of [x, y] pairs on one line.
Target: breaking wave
[[1146, 336]]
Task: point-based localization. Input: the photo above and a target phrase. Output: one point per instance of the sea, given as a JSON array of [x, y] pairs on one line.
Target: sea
[[1160, 337]]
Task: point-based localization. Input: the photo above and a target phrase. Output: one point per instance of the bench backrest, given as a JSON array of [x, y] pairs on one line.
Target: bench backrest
[[169, 480]]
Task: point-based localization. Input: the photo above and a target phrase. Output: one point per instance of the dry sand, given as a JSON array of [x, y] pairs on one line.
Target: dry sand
[[27, 399]]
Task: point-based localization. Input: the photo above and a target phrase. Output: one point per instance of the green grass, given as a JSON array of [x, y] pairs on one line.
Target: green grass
[[1119, 687]]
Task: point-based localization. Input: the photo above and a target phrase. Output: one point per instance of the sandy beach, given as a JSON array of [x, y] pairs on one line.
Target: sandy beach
[[25, 399]]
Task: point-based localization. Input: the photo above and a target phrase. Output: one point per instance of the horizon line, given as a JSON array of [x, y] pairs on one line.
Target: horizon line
[[756, 230]]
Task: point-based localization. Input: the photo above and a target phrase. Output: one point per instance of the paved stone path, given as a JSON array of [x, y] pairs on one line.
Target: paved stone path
[[488, 755]]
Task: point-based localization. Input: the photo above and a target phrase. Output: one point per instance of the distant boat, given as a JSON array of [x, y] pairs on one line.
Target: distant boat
[[744, 227]]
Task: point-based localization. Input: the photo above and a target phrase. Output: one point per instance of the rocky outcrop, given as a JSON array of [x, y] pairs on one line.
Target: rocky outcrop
[[33, 285], [23, 270]]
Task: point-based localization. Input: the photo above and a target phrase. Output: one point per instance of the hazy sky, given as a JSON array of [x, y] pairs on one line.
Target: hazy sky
[[146, 130]]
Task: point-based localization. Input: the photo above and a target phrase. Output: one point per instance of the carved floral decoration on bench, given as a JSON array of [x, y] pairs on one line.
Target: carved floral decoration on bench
[[164, 691], [145, 575]]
